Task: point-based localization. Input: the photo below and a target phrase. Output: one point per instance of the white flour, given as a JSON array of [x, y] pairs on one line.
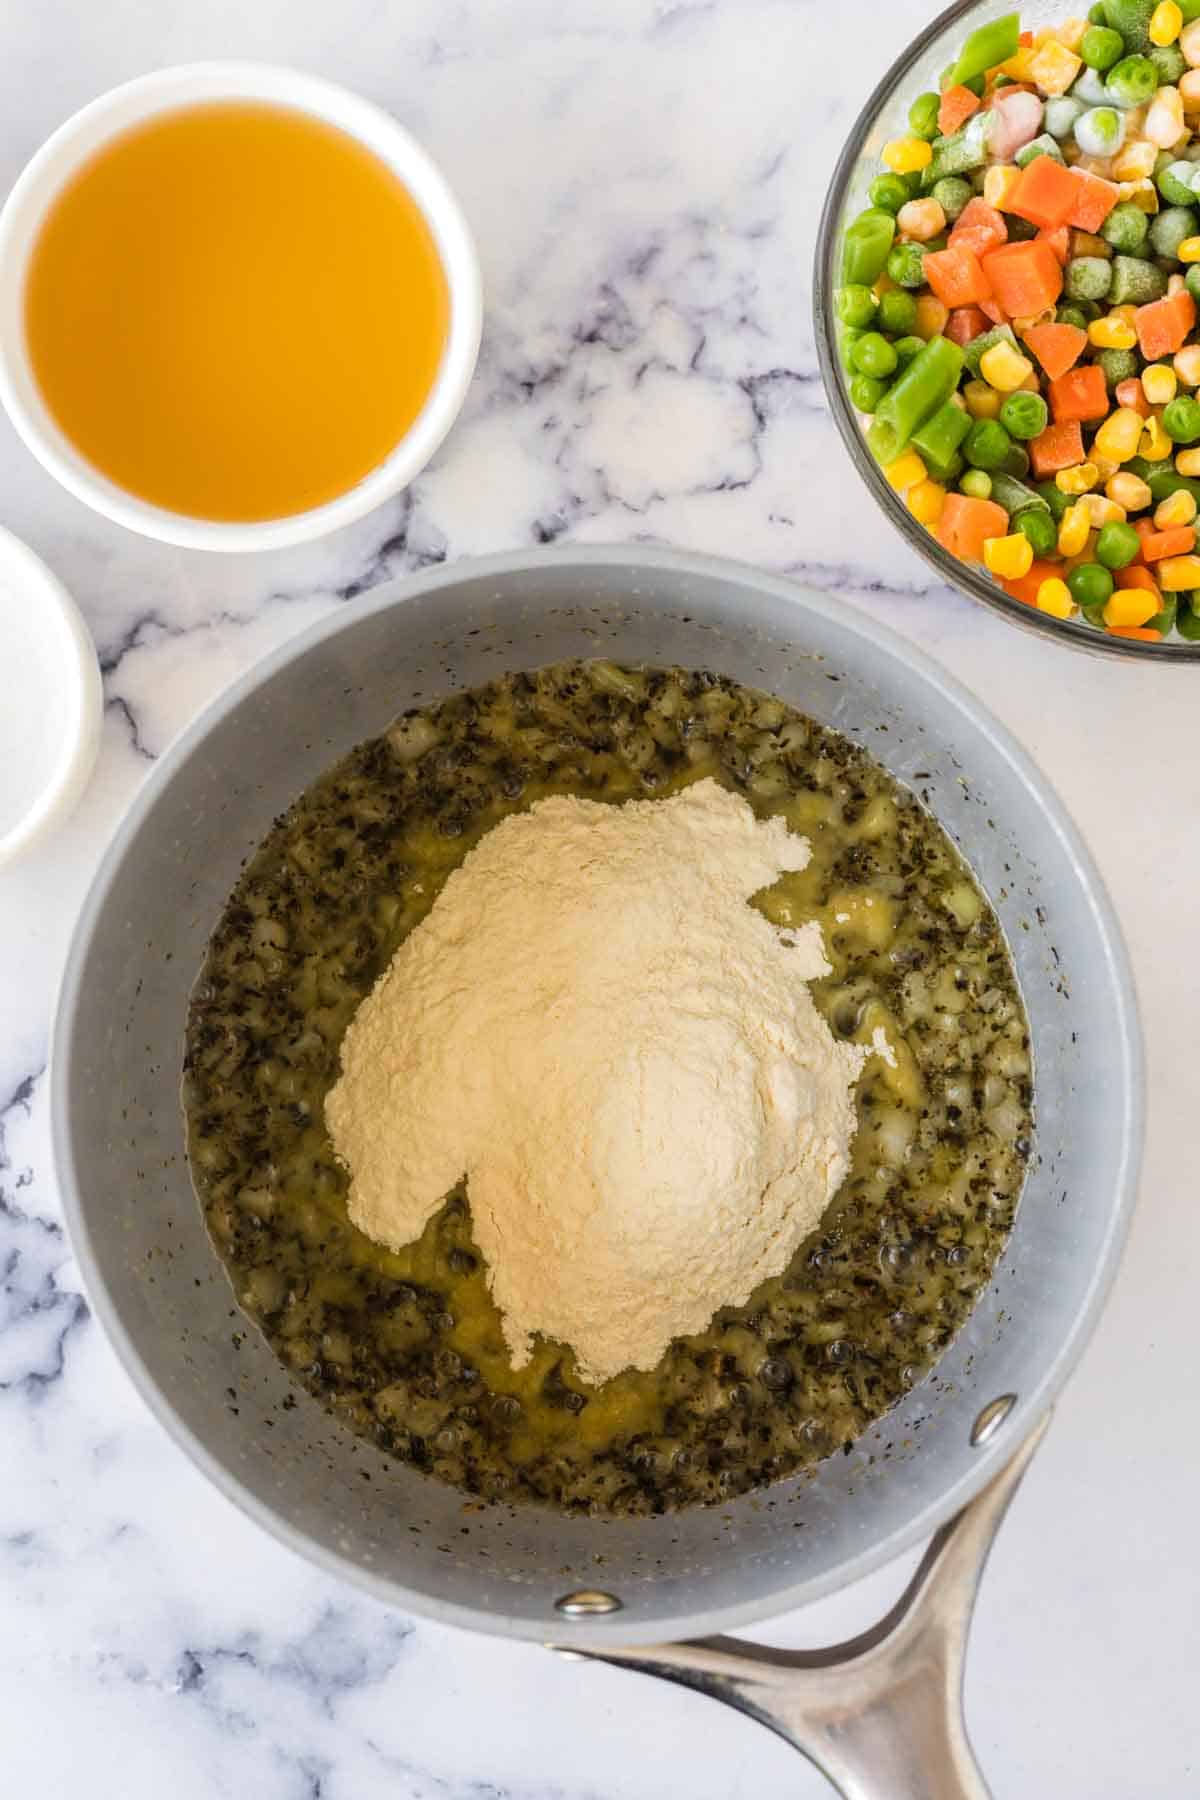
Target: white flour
[[624, 1060]]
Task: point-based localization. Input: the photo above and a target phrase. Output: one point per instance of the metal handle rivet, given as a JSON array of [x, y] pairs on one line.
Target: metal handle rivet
[[587, 1603], [991, 1418]]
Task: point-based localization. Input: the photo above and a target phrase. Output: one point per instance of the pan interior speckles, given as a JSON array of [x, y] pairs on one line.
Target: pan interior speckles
[[163, 1295]]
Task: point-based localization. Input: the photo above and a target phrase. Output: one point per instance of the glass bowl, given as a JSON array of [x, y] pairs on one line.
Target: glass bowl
[[885, 116]]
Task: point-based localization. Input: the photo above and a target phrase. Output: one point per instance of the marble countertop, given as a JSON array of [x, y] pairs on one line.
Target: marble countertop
[[644, 177]]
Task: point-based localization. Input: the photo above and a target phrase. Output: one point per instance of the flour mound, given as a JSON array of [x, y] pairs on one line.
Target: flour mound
[[623, 1059]]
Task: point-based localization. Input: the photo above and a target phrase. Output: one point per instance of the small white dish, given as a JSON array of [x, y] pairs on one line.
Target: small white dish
[[167, 90], [52, 702]]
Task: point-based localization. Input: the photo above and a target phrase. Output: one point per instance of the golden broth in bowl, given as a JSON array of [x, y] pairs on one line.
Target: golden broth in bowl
[[235, 311]]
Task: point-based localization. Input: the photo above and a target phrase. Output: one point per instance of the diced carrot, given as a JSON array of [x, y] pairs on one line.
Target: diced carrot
[[1058, 447], [956, 277], [1094, 200], [1025, 278], [995, 313], [1059, 241], [1026, 40], [958, 103], [1026, 586], [1163, 325], [966, 323], [1132, 395], [979, 227], [1180, 541], [1136, 576], [966, 523], [1145, 528], [1057, 347], [1046, 192], [1079, 394], [1135, 631]]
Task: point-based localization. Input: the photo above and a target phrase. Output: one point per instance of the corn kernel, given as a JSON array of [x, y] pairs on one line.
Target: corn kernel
[[1128, 313], [1102, 511], [907, 156], [1155, 446], [1164, 121], [1004, 368], [1189, 43], [1175, 285], [932, 316], [1054, 596], [1054, 68], [1073, 530], [921, 220], [982, 401], [999, 183], [1186, 363], [926, 500], [1129, 491], [1130, 606], [1112, 334], [1010, 556], [1176, 574], [1159, 384], [1080, 479], [1176, 509], [1070, 33], [906, 471], [1020, 66], [1166, 23], [1143, 193], [1136, 160], [1189, 90], [1105, 466], [1084, 243], [1121, 433], [1188, 462]]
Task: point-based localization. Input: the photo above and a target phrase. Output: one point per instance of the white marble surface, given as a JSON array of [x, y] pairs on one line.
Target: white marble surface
[[644, 177]]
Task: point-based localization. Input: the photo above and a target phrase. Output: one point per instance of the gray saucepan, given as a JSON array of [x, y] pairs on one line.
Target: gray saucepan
[[163, 1296]]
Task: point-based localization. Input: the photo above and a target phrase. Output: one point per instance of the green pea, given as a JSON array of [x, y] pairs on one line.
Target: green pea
[[1132, 82], [1169, 228], [873, 355], [1088, 277], [1016, 463], [1098, 15], [976, 483], [1100, 48], [1117, 545], [987, 444], [847, 337], [1024, 415], [890, 192], [952, 194], [1126, 228], [1169, 62], [1037, 525], [1090, 584], [1118, 366], [1181, 420], [907, 348], [1187, 620], [1174, 180], [906, 265], [1055, 499], [897, 313], [1164, 621], [1071, 315], [923, 116], [866, 391], [855, 305]]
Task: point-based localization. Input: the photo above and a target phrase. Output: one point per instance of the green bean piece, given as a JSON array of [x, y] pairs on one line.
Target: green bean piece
[[1118, 366], [1164, 621], [897, 313], [1133, 281], [923, 116], [978, 347], [1024, 415], [1126, 228], [1174, 179], [1192, 281], [1101, 47], [906, 265], [1056, 501], [987, 444], [1169, 228], [1117, 545], [924, 386], [907, 348], [952, 194], [866, 392], [976, 484], [1036, 524], [1090, 584], [855, 305], [1014, 496], [940, 437], [1040, 146], [1088, 278], [1169, 62], [1163, 481], [865, 246], [1187, 619], [1131, 82], [1132, 19], [951, 470], [988, 45], [962, 151], [1181, 419]]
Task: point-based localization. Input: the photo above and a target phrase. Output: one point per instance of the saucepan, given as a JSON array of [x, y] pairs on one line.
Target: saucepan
[[880, 1715]]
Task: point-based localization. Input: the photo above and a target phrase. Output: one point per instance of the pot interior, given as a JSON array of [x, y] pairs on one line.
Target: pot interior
[[165, 1297]]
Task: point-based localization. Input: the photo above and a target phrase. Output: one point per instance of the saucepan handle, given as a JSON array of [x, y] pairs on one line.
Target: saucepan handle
[[880, 1715]]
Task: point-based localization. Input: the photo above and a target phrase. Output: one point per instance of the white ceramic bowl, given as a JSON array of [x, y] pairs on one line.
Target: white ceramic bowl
[[50, 718], [74, 143]]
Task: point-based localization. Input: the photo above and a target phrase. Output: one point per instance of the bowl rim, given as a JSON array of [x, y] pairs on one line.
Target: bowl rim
[[72, 145], [1031, 1407], [963, 577]]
